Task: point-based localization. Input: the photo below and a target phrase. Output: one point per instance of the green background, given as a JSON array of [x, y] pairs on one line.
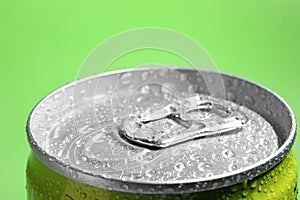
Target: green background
[[43, 43]]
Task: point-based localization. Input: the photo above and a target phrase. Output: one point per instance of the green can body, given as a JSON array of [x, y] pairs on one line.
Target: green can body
[[280, 183]]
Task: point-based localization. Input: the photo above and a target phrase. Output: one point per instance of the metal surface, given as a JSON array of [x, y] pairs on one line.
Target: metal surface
[[53, 110]]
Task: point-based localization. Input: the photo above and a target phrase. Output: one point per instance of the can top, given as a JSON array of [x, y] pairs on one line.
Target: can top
[[152, 134]]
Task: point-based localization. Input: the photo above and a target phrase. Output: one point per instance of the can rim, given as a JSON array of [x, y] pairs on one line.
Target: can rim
[[161, 187]]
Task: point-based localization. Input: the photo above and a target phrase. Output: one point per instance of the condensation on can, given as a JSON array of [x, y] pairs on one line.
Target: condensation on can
[[105, 137]]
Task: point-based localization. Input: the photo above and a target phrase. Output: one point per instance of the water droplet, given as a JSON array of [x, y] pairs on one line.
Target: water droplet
[[168, 190], [89, 82], [150, 173], [245, 193], [56, 97], [228, 153], [163, 72], [204, 166], [144, 75], [194, 157], [82, 92], [249, 100], [146, 89], [124, 187], [209, 174], [139, 190], [108, 187], [83, 195], [250, 138], [183, 77], [231, 96], [179, 167], [84, 158], [249, 159], [216, 156], [253, 185], [167, 125], [234, 189], [232, 167], [55, 133], [59, 154], [126, 78], [266, 142]]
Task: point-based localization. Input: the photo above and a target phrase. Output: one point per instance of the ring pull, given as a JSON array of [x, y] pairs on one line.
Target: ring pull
[[140, 130]]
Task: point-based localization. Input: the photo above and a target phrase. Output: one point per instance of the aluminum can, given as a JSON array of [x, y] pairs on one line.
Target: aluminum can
[[161, 133]]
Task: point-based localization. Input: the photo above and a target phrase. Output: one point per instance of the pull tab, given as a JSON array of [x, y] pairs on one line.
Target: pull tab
[[146, 129]]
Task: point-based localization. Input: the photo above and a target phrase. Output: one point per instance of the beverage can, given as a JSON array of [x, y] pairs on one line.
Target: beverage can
[[161, 133]]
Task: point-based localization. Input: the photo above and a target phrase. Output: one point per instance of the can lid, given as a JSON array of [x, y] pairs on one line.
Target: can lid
[[156, 143]]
